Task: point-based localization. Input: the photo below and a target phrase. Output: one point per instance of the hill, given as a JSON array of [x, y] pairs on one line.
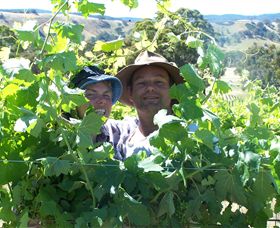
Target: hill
[[233, 32], [238, 17], [103, 28]]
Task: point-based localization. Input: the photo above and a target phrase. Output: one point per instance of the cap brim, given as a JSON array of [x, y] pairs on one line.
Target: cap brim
[[125, 74], [116, 85]]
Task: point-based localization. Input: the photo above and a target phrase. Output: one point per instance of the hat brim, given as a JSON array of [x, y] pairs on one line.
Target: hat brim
[[115, 82], [126, 73]]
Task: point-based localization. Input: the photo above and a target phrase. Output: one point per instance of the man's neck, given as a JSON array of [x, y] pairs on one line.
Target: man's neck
[[146, 124]]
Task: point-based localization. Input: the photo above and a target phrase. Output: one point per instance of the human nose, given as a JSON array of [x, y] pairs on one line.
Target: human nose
[[150, 86]]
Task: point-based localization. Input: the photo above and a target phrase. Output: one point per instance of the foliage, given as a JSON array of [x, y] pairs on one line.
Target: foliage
[[167, 34], [52, 175], [263, 63]]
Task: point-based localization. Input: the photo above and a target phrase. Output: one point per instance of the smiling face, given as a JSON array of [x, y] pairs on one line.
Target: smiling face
[[149, 90], [100, 97]]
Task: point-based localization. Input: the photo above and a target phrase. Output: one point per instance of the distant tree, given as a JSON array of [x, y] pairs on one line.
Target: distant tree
[[176, 49], [263, 63]]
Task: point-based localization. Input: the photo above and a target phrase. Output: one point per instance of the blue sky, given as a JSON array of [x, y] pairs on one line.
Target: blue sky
[[147, 8]]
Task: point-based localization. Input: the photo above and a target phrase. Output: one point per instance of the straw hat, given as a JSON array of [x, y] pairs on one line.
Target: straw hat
[[147, 58]]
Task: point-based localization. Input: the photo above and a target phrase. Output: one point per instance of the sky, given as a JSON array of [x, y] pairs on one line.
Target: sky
[[147, 8]]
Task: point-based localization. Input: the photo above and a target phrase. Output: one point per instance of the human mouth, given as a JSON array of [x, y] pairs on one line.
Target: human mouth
[[100, 111], [151, 98]]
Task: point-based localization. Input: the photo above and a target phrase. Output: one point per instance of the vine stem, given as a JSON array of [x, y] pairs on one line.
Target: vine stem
[[82, 169], [50, 24]]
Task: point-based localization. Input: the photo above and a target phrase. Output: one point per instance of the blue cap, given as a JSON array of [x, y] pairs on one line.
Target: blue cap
[[90, 75]]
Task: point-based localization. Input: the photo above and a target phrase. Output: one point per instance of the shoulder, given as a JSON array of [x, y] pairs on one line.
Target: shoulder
[[127, 122]]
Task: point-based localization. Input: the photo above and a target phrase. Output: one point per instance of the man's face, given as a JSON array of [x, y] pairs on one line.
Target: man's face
[[149, 89], [100, 97]]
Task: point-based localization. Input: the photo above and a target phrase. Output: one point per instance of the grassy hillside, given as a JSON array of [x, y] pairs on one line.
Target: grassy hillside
[[111, 28], [242, 34], [93, 27]]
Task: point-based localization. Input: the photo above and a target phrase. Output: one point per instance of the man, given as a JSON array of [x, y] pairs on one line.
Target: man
[[102, 91], [146, 86]]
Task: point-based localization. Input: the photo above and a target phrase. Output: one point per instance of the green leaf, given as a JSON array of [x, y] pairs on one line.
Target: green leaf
[[264, 187], [193, 42], [130, 3], [206, 137], [25, 75], [12, 171], [261, 132], [70, 30], [108, 46], [9, 90], [63, 62], [251, 159], [162, 118], [48, 208], [215, 59], [190, 75], [166, 205], [228, 186], [87, 8], [221, 87], [54, 166], [212, 117], [181, 92], [71, 98], [189, 109], [24, 220], [138, 214], [35, 128], [89, 126], [152, 163]]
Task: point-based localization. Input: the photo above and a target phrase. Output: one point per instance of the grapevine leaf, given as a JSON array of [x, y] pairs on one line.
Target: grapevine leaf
[[9, 90], [35, 128], [87, 8], [89, 126], [10, 170], [181, 92], [189, 109], [215, 59], [70, 30], [71, 98], [162, 118], [6, 212], [166, 205], [207, 137], [108, 46], [193, 42], [190, 75], [54, 166], [48, 208], [24, 220], [261, 132], [138, 214], [152, 163], [130, 3], [63, 62], [264, 187], [212, 117], [228, 186], [25, 75], [221, 87]]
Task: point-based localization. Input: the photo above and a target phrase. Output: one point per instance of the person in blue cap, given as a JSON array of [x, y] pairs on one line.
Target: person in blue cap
[[102, 90]]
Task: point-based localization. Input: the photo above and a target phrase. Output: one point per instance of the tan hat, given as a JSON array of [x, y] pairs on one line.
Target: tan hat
[[147, 58]]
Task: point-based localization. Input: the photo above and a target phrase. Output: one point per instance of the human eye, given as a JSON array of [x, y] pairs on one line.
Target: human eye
[[140, 83], [108, 96], [90, 96]]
